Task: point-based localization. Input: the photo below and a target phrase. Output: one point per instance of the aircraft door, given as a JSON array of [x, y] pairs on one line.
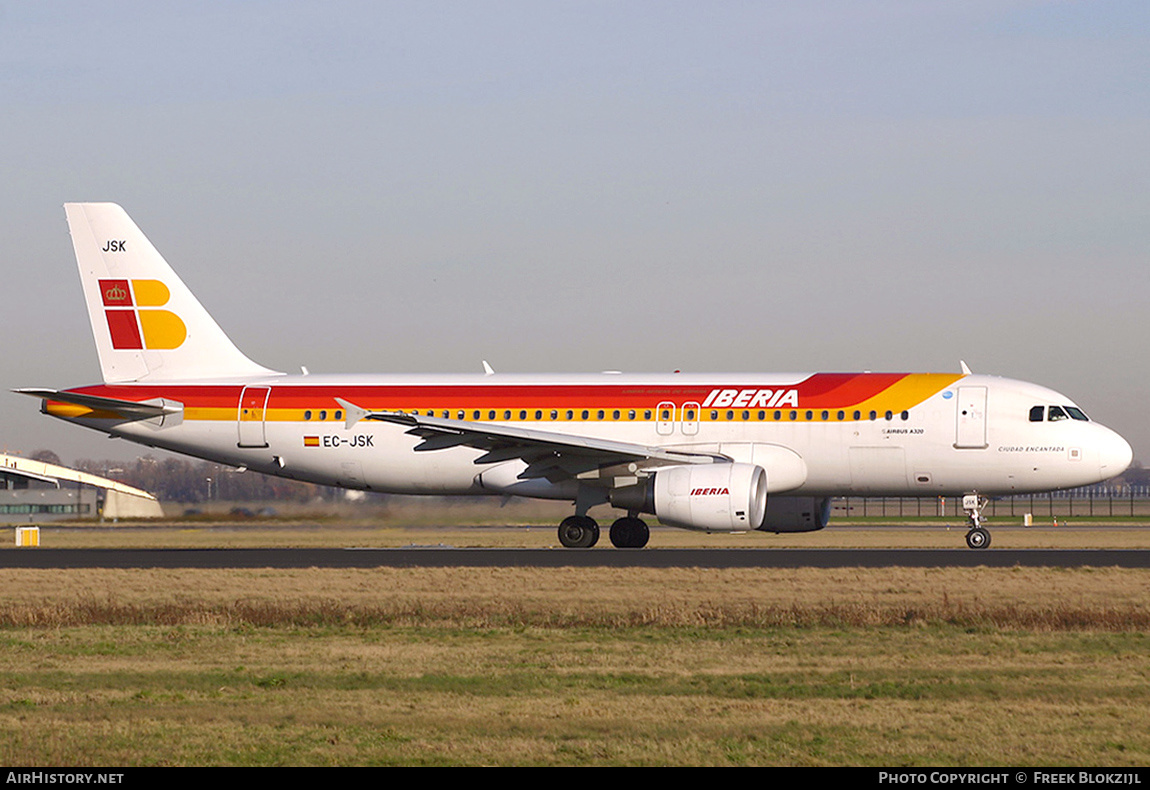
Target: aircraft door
[[665, 418], [970, 430], [253, 407]]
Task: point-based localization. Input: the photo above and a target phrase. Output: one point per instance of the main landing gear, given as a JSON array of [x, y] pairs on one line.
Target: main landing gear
[[578, 532], [582, 532], [978, 537]]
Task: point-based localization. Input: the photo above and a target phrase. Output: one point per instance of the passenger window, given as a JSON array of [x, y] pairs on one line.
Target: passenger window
[[307, 414], [1036, 413], [1056, 414]]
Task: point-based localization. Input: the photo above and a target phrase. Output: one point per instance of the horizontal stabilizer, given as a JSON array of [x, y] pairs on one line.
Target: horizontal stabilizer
[[128, 409]]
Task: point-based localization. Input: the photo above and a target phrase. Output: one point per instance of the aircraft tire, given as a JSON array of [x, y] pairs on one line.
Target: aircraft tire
[[978, 538], [578, 532], [629, 533]]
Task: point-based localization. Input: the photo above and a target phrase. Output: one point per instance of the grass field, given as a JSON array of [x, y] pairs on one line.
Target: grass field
[[517, 666]]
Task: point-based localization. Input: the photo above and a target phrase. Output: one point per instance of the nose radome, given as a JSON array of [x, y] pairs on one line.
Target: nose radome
[[1114, 454]]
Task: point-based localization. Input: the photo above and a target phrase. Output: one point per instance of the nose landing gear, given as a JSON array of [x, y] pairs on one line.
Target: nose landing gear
[[978, 537]]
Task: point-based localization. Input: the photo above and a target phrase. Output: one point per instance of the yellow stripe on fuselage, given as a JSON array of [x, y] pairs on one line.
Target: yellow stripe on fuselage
[[908, 392]]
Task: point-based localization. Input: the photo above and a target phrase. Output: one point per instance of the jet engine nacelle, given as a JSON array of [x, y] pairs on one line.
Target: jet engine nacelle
[[712, 497], [796, 514]]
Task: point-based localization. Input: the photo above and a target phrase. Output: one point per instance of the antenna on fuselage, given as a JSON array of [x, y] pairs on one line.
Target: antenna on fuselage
[[965, 369]]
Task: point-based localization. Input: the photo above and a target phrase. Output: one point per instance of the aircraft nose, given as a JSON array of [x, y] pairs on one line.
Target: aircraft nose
[[1114, 454]]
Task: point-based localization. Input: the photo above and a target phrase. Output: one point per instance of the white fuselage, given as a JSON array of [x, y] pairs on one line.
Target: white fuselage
[[967, 434]]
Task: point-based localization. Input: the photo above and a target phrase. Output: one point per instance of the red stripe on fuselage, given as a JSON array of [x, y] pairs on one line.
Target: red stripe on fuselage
[[820, 390]]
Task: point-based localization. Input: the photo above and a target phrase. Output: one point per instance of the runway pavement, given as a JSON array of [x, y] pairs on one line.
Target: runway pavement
[[441, 557]]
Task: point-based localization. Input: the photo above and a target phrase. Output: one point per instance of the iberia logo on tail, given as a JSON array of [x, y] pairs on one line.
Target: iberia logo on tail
[[134, 321]]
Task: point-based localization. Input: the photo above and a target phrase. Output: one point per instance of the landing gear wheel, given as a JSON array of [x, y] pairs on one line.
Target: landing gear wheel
[[578, 532], [629, 533], [978, 538]]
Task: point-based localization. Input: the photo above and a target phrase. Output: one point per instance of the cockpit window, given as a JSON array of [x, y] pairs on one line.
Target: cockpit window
[[1056, 413]]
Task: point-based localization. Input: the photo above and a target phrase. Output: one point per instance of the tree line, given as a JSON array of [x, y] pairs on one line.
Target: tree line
[[182, 480], [188, 481]]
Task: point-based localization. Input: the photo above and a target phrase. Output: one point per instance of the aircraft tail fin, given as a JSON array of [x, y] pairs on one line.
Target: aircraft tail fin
[[147, 324]]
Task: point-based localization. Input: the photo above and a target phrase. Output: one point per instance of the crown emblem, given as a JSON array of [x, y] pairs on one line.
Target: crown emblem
[[115, 294]]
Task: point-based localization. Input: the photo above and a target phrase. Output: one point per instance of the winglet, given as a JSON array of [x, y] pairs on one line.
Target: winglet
[[965, 369], [487, 369]]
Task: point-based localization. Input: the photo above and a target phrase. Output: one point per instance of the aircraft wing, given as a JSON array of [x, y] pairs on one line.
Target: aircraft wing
[[547, 453]]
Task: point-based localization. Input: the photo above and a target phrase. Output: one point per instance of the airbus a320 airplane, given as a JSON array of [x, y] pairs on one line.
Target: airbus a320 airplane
[[718, 453]]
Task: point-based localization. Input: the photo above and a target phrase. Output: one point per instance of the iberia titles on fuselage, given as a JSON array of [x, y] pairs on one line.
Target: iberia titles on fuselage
[[717, 453]]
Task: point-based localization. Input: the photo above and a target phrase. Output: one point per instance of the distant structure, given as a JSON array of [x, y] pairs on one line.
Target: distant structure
[[35, 491]]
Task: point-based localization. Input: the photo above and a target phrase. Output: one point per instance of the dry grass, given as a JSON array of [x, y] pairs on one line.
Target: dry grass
[[518, 666], [1106, 599]]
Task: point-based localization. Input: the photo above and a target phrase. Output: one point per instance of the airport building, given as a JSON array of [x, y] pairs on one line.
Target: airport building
[[32, 492]]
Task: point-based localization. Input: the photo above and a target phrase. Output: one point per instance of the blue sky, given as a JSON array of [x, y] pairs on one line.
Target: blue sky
[[583, 186]]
